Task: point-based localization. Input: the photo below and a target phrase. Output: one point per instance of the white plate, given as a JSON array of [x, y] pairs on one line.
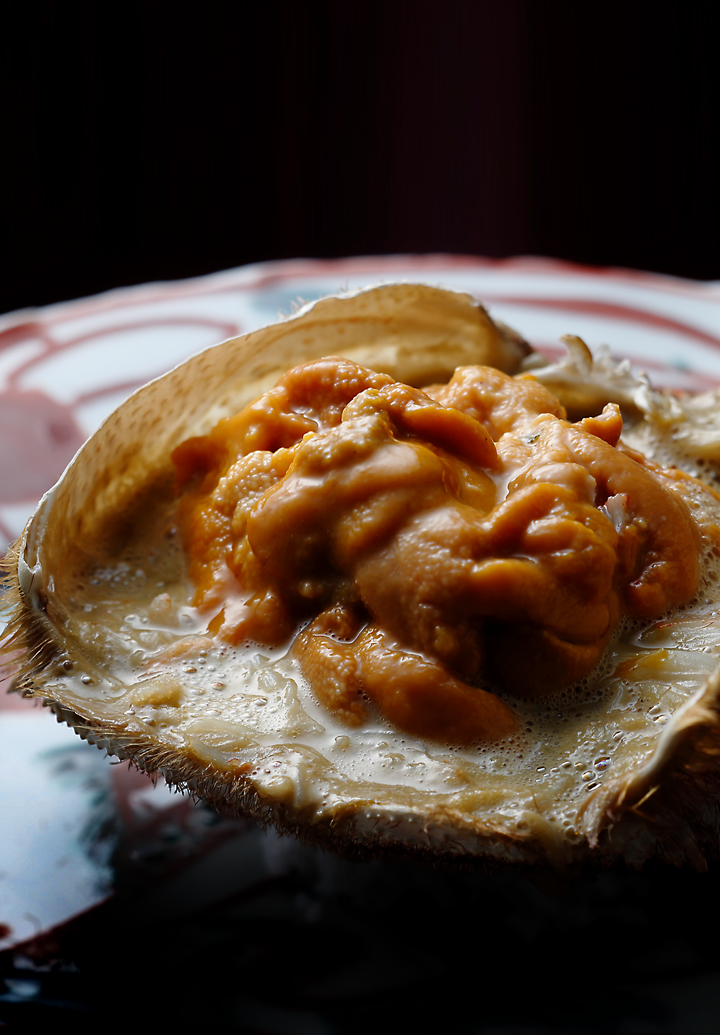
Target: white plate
[[63, 368]]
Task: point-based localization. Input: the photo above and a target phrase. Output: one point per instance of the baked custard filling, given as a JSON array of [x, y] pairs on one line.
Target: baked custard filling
[[433, 553]]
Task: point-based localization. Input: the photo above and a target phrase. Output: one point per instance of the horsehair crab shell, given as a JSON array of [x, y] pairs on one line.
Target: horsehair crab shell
[[663, 803]]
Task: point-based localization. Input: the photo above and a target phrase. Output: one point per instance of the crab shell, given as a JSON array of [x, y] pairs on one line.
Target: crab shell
[[664, 803]]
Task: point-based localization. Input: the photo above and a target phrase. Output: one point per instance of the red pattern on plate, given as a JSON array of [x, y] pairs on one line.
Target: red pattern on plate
[[59, 365], [121, 339]]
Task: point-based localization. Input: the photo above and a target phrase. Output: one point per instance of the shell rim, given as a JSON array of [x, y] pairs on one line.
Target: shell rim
[[686, 756]]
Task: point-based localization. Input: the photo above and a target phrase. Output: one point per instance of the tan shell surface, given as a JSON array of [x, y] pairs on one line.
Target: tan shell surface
[[626, 768]]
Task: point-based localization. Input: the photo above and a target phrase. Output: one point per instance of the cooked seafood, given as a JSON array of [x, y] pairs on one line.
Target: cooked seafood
[[431, 533], [396, 598]]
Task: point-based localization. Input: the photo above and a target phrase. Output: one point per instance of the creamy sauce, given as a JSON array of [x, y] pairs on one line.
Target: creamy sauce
[[246, 708]]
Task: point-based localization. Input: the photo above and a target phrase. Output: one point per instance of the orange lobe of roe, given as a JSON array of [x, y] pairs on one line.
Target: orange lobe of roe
[[440, 543]]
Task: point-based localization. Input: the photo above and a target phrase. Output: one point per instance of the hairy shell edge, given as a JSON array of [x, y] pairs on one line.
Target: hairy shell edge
[[666, 807]]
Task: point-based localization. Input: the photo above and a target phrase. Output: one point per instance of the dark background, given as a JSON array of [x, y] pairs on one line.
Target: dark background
[[154, 141]]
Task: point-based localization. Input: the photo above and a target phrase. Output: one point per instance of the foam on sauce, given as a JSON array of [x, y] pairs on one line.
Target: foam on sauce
[[246, 708]]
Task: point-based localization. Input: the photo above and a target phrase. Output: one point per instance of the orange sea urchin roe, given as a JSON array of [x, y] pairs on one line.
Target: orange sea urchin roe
[[434, 540]]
